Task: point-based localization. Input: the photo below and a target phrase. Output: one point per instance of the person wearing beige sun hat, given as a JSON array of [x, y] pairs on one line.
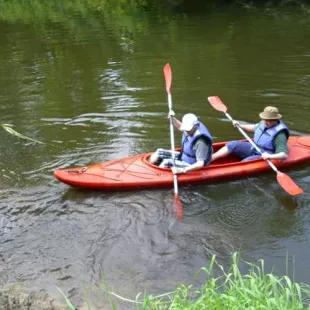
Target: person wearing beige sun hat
[[270, 135], [196, 146]]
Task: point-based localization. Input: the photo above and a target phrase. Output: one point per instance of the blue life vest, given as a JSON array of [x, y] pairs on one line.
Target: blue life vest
[[188, 154], [264, 137]]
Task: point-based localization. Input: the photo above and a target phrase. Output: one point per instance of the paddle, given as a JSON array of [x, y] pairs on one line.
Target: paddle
[[284, 180], [177, 200]]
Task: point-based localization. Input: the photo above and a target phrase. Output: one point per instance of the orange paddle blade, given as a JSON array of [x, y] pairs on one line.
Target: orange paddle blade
[[288, 184], [178, 207], [217, 103], [168, 77]]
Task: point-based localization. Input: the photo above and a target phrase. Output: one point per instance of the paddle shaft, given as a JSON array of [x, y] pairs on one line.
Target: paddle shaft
[[175, 180], [253, 144]]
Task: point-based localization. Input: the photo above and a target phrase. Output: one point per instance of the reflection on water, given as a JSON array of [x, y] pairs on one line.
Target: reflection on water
[[92, 89], [287, 201]]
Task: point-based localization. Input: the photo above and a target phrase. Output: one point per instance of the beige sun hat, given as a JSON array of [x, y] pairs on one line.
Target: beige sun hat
[[188, 122], [270, 113]]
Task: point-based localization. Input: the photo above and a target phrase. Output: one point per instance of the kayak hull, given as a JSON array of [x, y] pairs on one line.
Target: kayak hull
[[135, 172]]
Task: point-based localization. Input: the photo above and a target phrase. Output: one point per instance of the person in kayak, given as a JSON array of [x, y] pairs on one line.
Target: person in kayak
[[196, 146], [270, 135]]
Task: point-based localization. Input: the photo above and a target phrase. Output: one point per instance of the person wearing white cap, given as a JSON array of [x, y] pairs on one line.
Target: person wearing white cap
[[196, 146], [270, 135]]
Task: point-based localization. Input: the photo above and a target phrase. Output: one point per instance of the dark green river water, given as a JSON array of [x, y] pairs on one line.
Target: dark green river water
[[90, 86]]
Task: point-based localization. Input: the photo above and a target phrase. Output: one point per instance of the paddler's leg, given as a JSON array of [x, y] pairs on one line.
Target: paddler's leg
[[154, 158], [238, 148], [224, 151], [168, 163], [161, 154]]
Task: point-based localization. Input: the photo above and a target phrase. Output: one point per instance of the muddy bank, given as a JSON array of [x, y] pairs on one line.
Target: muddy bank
[[18, 297]]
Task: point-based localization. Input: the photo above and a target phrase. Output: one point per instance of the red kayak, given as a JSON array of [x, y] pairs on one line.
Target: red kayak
[[135, 172]]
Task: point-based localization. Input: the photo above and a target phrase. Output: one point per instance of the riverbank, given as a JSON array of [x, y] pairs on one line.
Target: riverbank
[[16, 296], [223, 289]]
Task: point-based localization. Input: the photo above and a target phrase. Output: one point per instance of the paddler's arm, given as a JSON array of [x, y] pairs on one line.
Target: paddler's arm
[[197, 165], [175, 121], [281, 149], [280, 156], [246, 127], [203, 150]]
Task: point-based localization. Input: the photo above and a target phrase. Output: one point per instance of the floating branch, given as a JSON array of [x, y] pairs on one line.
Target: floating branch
[[9, 129]]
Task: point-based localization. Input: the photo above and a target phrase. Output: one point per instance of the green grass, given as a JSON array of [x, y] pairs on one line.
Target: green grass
[[232, 290]]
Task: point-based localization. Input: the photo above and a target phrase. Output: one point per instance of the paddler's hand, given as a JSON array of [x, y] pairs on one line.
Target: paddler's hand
[[235, 123], [266, 155], [176, 170], [171, 114]]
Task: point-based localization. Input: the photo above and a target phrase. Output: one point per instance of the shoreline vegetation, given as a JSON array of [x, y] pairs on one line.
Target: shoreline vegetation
[[255, 289], [36, 11]]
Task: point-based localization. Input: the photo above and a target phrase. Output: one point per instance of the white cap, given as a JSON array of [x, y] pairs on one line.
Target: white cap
[[188, 122]]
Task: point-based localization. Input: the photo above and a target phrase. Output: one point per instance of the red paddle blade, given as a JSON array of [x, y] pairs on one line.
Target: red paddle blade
[[168, 77], [178, 207], [217, 104], [288, 184]]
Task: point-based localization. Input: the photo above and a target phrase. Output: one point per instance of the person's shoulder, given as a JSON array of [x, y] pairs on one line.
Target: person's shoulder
[[281, 136], [201, 140]]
